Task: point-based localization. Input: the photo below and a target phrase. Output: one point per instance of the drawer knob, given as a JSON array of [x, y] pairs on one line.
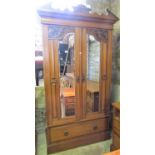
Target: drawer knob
[[66, 133], [95, 128]]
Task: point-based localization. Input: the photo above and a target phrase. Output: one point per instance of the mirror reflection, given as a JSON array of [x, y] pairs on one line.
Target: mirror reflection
[[67, 78], [39, 68], [93, 72]]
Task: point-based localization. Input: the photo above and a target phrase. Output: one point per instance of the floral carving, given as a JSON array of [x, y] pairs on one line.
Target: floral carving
[[57, 31], [99, 34]]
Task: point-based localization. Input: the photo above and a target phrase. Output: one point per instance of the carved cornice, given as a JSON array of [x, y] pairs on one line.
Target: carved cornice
[[58, 32], [99, 34], [79, 13]]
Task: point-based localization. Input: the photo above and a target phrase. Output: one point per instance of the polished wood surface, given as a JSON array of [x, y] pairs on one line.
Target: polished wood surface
[[78, 141], [117, 152], [84, 72], [78, 129], [116, 105], [77, 14], [103, 71], [83, 127], [78, 92], [116, 126], [76, 18], [109, 73], [72, 119], [47, 78]]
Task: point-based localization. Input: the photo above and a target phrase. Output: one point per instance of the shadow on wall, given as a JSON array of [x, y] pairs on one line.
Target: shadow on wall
[[116, 66]]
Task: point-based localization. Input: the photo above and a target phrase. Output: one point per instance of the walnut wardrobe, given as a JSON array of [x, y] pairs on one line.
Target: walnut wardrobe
[[77, 76]]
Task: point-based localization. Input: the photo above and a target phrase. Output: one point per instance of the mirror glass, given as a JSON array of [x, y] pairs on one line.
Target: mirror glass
[[39, 68], [67, 75], [93, 74]]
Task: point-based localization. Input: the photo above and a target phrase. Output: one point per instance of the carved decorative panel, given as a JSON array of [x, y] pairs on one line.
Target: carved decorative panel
[[57, 32], [99, 34]]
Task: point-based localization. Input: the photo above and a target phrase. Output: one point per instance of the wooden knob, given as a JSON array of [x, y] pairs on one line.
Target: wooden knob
[[95, 128], [66, 133]]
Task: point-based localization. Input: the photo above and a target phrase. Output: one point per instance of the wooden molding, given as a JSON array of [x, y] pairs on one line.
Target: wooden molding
[[80, 13]]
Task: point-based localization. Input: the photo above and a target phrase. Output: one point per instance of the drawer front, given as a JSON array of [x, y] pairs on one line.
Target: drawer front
[[79, 129]]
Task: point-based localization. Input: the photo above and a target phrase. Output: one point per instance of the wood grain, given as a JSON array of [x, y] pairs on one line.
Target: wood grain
[[78, 71], [116, 127], [103, 74], [57, 77], [109, 72], [84, 71], [82, 128], [52, 49], [78, 141], [76, 23], [47, 77], [76, 129]]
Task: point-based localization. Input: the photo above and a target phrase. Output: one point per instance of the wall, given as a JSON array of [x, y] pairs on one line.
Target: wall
[[115, 8]]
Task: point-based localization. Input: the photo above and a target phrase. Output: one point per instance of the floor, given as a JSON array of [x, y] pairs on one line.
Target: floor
[[92, 149]]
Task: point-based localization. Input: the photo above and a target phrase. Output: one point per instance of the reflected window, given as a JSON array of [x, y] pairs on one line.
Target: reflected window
[[93, 73]]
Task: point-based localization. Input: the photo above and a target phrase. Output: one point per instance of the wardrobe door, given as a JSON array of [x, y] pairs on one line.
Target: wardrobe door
[[64, 73], [93, 71]]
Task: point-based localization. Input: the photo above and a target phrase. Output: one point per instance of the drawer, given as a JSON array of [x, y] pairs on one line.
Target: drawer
[[78, 129]]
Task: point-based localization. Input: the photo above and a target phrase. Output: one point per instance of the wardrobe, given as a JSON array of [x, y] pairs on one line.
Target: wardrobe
[[77, 75]]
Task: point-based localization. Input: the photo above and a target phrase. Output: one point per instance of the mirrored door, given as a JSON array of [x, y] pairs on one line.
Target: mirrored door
[[67, 74], [63, 68], [93, 74], [94, 70]]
